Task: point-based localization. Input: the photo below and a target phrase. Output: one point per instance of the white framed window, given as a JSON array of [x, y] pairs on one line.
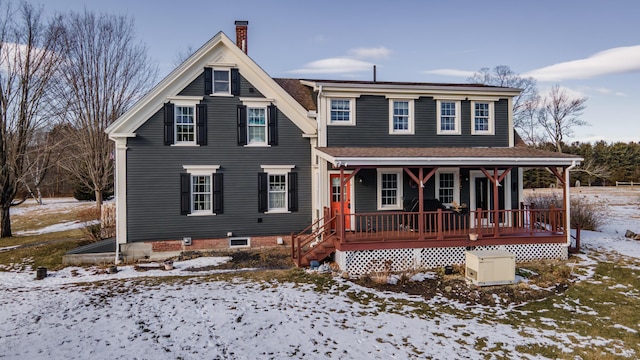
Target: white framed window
[[401, 119], [185, 124], [257, 126], [448, 117], [482, 118], [239, 242], [277, 188], [342, 111], [201, 189], [221, 81], [448, 186], [390, 189]]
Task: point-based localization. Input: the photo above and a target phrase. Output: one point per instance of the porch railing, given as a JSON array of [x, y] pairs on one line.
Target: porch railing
[[443, 224]]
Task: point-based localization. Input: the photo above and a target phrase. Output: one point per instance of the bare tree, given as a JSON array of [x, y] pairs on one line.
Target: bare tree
[[183, 55], [502, 75], [559, 114], [593, 170], [42, 154], [29, 55], [104, 71]]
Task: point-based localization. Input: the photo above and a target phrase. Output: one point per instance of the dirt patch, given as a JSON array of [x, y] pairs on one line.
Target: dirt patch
[[548, 278], [268, 259]]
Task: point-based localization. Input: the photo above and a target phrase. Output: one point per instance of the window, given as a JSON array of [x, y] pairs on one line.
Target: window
[[257, 122], [447, 188], [257, 126], [185, 124], [239, 242], [277, 189], [200, 193], [342, 111], [389, 189], [185, 121], [448, 122], [221, 81], [400, 116], [201, 190], [482, 118]]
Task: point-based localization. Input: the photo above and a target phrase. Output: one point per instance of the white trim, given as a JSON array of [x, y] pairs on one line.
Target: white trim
[[201, 169], [492, 118], [258, 106], [402, 97], [220, 65], [277, 168], [457, 121], [121, 190], [352, 111], [240, 238], [456, 183], [411, 119], [400, 193], [450, 98], [185, 100], [256, 102], [512, 135], [220, 68]]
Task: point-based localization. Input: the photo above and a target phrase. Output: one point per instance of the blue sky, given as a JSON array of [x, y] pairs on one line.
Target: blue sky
[[591, 48]]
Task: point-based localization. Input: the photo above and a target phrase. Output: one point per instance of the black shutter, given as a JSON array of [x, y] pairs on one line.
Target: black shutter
[[208, 81], [293, 191], [235, 82], [217, 194], [168, 123], [201, 121], [242, 125], [273, 125], [263, 192], [185, 194]]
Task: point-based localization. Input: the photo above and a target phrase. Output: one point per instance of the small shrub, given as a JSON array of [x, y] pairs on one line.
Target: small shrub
[[90, 218], [589, 215]]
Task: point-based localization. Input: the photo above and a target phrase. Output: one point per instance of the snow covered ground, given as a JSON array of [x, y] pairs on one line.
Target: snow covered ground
[[82, 313]]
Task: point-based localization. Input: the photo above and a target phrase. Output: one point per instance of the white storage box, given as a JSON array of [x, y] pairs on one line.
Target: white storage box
[[490, 267]]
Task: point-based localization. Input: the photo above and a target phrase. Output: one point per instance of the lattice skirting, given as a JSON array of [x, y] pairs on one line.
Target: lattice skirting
[[368, 261]]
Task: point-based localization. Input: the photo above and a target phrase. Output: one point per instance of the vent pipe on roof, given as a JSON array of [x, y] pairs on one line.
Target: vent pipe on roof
[[374, 73], [241, 34]]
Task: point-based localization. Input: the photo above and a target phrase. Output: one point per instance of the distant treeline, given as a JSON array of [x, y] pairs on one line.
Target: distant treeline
[[604, 164]]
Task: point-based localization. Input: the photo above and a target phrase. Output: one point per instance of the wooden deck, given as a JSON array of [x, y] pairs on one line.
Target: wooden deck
[[393, 230]]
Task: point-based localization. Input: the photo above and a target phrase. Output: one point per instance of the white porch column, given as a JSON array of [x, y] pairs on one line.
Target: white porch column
[[120, 188]]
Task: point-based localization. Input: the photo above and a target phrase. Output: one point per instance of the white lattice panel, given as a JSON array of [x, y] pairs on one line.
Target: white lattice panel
[[368, 261]]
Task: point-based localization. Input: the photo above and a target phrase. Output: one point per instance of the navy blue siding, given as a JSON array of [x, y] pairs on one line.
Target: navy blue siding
[[372, 126], [153, 186]]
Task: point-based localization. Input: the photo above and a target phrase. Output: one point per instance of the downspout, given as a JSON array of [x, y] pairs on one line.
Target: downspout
[[568, 204]]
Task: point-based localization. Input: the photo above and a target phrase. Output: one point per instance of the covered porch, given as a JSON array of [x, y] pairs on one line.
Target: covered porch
[[342, 228]]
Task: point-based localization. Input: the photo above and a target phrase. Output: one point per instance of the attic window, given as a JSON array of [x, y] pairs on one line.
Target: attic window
[[221, 80]]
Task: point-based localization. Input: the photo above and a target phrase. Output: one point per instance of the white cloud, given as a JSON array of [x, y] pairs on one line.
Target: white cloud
[[334, 66], [612, 61], [450, 72], [380, 52]]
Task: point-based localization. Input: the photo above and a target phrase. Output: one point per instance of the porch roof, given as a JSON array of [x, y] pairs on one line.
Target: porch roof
[[444, 156]]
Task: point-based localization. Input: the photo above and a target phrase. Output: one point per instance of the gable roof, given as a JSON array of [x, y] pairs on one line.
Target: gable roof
[[219, 49]]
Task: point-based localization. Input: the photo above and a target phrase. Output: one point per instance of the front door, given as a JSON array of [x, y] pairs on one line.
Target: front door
[[336, 201], [484, 197]]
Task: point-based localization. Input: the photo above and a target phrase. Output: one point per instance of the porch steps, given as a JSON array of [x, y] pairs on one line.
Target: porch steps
[[317, 252]]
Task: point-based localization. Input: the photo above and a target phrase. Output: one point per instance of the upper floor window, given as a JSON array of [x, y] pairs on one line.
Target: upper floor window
[[221, 79], [257, 122], [389, 189], [401, 116], [448, 121], [482, 122], [185, 124], [185, 121], [257, 126], [342, 111]]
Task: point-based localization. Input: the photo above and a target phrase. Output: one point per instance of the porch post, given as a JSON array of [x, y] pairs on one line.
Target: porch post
[[420, 205], [342, 212], [496, 200]]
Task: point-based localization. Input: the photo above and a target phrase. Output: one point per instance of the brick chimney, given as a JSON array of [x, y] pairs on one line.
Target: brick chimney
[[241, 34]]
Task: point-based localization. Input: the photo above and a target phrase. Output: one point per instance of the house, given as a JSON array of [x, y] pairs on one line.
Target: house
[[396, 174]]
